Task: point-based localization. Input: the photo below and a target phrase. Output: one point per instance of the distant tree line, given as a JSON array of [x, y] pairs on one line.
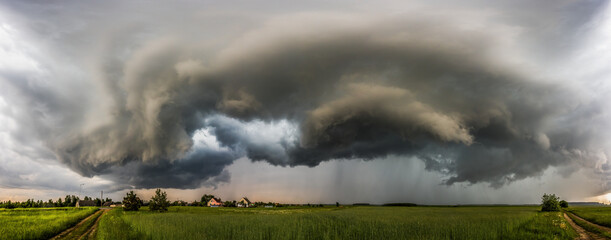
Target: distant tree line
[[207, 197], [159, 202], [68, 201], [401, 204]]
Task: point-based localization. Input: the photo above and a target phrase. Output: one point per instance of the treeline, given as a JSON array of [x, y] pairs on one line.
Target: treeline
[[401, 204], [206, 197], [68, 201], [228, 204]]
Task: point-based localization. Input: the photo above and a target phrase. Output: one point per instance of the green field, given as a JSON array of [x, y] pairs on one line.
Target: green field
[[597, 214], [363, 222], [337, 223], [39, 223]]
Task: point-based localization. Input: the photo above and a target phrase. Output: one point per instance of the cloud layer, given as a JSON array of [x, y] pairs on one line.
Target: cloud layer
[[460, 90]]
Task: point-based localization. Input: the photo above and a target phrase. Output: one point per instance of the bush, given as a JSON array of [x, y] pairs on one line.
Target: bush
[[550, 203], [131, 202], [159, 202], [564, 204], [229, 204]]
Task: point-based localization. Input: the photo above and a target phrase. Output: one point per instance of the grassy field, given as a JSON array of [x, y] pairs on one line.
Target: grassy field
[[37, 223], [337, 223], [597, 214]]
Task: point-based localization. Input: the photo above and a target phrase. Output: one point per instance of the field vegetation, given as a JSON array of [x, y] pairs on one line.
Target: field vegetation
[[600, 215], [81, 231], [39, 223], [523, 222]]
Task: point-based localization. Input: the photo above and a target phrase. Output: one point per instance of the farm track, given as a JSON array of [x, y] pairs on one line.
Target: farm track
[[91, 232], [583, 233], [77, 232]]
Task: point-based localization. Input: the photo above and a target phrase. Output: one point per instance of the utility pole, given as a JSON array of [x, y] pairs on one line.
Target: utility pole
[[102, 196]]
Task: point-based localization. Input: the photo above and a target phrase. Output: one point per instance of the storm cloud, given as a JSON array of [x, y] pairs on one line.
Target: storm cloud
[[460, 90]]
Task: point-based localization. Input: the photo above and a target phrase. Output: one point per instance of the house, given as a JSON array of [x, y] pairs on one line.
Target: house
[[244, 202], [214, 202], [85, 203], [107, 204]]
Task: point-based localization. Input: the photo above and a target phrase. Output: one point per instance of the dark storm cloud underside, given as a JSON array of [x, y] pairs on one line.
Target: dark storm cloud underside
[[502, 110], [412, 87]]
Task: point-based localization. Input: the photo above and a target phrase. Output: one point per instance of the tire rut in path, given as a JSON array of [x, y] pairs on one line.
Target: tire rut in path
[[87, 233], [583, 233], [603, 228], [92, 230]]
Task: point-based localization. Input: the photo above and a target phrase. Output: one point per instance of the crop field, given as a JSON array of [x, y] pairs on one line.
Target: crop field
[[337, 223], [37, 223]]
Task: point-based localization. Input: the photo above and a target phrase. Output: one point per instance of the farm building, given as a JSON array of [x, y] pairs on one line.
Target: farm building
[[85, 203], [244, 202], [107, 204], [214, 202]]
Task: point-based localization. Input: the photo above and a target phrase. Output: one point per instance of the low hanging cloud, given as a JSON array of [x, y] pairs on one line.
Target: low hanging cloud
[[305, 88]]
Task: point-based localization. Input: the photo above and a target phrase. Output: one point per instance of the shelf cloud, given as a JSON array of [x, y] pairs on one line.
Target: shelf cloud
[[477, 94]]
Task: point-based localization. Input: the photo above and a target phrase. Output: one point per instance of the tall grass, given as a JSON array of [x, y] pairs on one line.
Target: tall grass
[[112, 226], [589, 226], [596, 214], [339, 223], [36, 223]]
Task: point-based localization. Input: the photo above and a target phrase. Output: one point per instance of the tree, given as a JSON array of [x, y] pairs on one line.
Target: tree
[[550, 203], [159, 202], [67, 201], [131, 202], [73, 200], [206, 198], [564, 204], [337, 204]]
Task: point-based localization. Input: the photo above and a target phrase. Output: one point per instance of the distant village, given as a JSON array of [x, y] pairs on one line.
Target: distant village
[[206, 201]]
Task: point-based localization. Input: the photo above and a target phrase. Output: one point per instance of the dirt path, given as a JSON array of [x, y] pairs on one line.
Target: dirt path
[[583, 233], [603, 228], [91, 232], [73, 232]]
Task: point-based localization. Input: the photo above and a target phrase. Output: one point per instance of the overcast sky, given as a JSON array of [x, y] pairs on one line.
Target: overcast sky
[[432, 102]]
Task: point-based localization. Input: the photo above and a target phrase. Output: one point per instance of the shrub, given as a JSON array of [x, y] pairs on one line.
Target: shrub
[[131, 202], [550, 203], [159, 202], [564, 204]]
